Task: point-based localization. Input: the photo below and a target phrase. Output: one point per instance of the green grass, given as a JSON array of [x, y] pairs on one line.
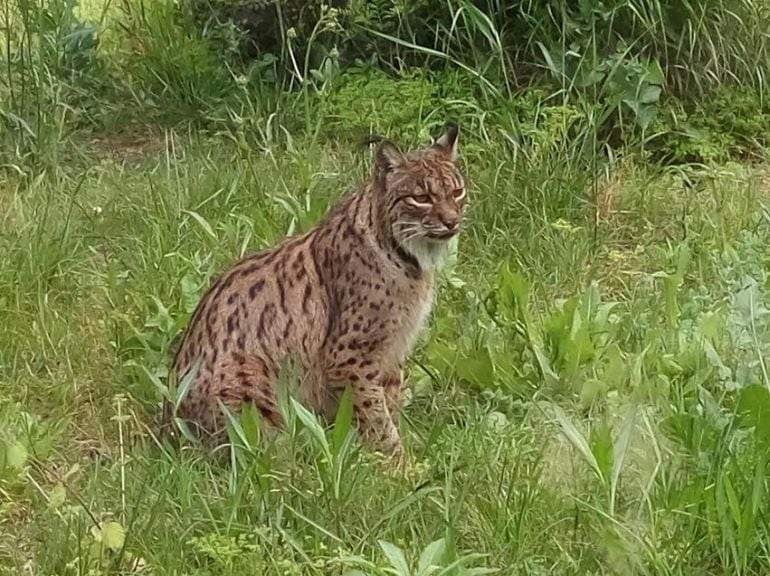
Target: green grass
[[592, 395], [623, 430]]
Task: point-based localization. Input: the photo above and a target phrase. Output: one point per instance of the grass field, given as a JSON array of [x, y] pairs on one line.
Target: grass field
[[592, 395]]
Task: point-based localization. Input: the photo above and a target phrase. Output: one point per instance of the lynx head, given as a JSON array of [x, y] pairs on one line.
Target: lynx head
[[422, 195]]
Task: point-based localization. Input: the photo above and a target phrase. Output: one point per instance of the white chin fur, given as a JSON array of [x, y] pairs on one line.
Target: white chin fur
[[430, 254]]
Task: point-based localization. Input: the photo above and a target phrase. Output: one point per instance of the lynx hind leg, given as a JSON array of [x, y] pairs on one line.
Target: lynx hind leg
[[235, 382], [318, 395]]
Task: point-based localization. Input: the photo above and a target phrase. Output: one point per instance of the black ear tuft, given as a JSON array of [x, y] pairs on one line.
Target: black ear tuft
[[388, 157], [371, 139], [448, 140]]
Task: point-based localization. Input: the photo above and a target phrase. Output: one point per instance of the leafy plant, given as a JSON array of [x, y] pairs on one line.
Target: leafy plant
[[432, 562]]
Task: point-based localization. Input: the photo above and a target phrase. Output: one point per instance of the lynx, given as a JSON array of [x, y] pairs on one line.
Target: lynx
[[345, 301]]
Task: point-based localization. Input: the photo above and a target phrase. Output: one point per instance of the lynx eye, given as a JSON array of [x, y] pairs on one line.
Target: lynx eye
[[419, 200], [458, 194]]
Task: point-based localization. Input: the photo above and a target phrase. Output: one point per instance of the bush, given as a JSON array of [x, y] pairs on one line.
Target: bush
[[734, 123], [251, 28], [697, 44]]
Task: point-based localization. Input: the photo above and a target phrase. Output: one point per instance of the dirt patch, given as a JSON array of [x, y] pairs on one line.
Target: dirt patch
[[133, 147]]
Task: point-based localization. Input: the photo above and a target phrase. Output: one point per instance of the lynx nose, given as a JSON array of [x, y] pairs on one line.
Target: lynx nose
[[450, 221]]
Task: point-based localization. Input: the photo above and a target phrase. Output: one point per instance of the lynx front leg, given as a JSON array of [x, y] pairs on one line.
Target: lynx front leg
[[370, 406], [392, 383], [375, 424]]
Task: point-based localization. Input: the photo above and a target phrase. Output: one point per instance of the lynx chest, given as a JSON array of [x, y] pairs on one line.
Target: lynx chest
[[409, 317]]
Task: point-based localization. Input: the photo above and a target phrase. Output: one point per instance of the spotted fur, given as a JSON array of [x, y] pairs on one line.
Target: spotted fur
[[345, 301]]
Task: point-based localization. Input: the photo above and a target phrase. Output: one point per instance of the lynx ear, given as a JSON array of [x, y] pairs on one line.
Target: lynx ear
[[388, 157], [448, 140]]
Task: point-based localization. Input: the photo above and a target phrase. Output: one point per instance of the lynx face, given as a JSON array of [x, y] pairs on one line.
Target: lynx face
[[424, 196]]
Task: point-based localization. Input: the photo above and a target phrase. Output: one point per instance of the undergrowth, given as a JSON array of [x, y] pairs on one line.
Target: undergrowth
[[592, 395]]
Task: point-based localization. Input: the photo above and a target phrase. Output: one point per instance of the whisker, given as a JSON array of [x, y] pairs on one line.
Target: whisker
[[411, 230], [416, 234]]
